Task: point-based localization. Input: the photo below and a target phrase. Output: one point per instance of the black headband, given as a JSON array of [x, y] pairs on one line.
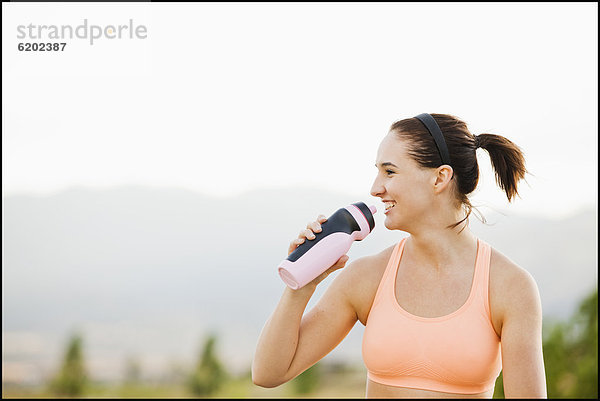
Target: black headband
[[436, 133]]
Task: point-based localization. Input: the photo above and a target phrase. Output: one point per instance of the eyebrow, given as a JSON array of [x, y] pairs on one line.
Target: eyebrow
[[387, 164]]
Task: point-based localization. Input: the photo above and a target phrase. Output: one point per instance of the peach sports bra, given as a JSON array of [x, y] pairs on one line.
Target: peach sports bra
[[455, 353]]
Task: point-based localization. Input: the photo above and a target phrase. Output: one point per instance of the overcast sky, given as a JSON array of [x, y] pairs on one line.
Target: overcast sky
[[225, 98]]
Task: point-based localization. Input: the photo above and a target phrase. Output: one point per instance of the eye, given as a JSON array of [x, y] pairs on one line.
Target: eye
[[389, 171]]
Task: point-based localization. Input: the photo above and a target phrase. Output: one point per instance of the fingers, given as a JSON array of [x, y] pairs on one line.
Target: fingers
[[294, 244], [300, 240], [309, 233], [312, 228], [343, 259], [341, 262], [316, 225]]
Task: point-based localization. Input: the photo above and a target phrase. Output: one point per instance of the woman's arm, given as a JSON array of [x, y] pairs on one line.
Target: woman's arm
[[522, 359], [290, 343]]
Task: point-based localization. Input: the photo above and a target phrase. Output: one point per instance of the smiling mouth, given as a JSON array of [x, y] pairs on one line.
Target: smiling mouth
[[389, 206]]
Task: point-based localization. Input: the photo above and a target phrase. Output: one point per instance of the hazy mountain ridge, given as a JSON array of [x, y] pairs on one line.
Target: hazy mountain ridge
[[142, 268]]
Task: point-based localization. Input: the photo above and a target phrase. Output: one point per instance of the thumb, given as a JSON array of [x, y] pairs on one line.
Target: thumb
[[342, 261]]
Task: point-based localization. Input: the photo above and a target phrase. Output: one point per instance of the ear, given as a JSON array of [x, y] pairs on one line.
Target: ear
[[443, 178]]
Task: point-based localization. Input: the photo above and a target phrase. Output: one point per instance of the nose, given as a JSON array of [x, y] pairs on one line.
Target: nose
[[377, 189]]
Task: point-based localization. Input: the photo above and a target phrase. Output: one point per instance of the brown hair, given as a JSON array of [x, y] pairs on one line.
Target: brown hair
[[507, 158]]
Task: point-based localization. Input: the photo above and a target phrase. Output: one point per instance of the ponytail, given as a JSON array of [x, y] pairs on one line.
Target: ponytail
[[507, 160]]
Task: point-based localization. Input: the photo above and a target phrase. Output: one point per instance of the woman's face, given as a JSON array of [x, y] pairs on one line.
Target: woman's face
[[405, 188]]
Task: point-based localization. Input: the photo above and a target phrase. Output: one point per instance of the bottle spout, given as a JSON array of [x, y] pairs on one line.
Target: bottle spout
[[373, 209]]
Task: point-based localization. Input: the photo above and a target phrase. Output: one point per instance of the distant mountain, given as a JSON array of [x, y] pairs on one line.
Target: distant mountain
[[148, 272]]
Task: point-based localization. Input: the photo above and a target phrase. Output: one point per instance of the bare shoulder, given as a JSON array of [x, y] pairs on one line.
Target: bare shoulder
[[361, 279], [512, 290]]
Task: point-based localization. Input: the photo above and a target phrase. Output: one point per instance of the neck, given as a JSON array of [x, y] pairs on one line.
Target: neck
[[441, 248]]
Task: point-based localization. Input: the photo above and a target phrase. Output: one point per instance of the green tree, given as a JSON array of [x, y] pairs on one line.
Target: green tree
[[209, 374], [499, 387], [571, 354], [585, 350], [133, 371], [72, 377], [307, 381]]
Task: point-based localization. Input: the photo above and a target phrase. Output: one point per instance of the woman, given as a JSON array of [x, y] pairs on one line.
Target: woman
[[444, 312]]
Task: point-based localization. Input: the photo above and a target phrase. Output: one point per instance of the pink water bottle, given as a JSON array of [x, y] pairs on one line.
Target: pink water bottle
[[313, 257]]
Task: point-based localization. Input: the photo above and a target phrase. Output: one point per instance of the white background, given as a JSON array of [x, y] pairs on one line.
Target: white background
[[225, 98]]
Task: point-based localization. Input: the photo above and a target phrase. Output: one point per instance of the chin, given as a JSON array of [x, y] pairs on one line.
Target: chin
[[389, 224], [392, 224]]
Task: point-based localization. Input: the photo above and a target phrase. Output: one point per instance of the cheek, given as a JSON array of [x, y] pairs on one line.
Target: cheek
[[409, 192], [413, 199], [417, 190]]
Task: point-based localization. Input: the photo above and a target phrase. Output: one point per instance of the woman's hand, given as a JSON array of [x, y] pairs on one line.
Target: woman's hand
[[309, 233]]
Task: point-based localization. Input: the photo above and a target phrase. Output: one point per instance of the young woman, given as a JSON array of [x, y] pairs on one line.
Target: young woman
[[444, 311]]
